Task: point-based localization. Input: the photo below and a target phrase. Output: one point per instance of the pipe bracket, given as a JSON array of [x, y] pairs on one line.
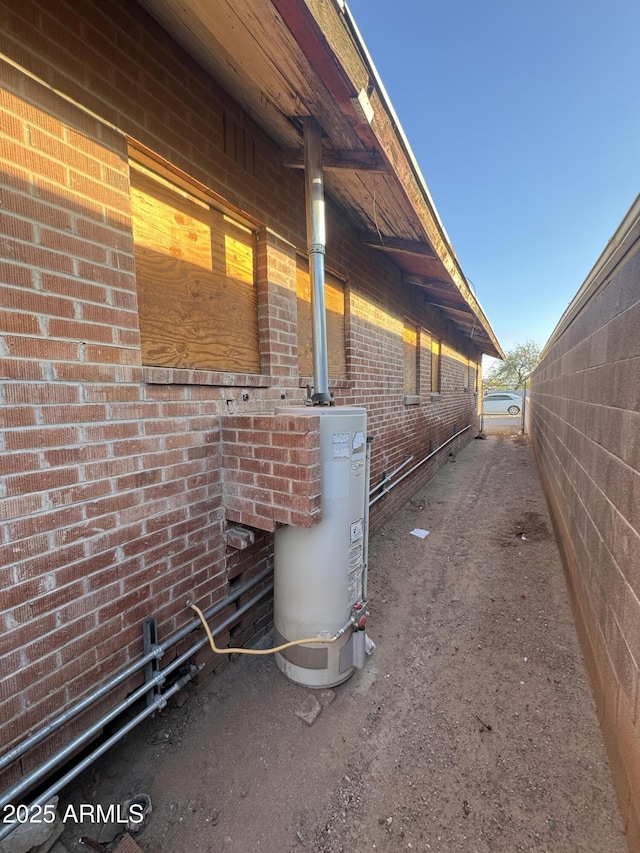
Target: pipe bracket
[[316, 249]]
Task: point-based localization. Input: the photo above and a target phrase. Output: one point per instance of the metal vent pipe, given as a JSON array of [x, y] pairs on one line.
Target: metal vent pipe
[[316, 241]]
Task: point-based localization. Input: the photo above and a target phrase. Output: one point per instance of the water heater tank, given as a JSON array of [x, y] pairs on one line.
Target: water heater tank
[[318, 571]]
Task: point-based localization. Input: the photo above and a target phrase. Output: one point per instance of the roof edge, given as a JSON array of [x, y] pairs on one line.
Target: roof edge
[[457, 275]]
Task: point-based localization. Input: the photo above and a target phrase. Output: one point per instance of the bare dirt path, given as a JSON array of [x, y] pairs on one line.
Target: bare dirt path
[[471, 729]]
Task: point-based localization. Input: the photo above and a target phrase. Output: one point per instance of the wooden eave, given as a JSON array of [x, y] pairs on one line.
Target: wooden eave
[[283, 59], [333, 161]]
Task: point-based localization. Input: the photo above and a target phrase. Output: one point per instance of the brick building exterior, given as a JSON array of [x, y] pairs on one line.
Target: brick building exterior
[[585, 431], [154, 314]]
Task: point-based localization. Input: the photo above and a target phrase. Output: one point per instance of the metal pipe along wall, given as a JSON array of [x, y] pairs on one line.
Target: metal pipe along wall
[[316, 241]]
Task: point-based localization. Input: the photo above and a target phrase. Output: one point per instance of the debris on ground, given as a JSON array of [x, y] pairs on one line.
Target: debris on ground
[[32, 835], [326, 697], [420, 533], [310, 710], [127, 845]]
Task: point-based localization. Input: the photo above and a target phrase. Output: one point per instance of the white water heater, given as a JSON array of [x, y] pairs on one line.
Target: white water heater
[[319, 571]]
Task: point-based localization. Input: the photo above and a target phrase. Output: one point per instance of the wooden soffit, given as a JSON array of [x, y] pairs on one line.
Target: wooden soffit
[[284, 59]]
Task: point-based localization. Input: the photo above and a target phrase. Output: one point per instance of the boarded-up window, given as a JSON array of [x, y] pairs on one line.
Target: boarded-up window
[[435, 366], [410, 359], [334, 299], [197, 297]]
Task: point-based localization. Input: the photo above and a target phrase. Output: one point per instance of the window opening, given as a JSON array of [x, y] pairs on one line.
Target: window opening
[[195, 276]]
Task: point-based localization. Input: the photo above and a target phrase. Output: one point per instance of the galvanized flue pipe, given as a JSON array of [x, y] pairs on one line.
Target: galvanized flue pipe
[[316, 243]]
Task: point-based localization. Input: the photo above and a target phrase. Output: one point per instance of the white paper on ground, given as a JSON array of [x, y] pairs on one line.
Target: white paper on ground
[[420, 533]]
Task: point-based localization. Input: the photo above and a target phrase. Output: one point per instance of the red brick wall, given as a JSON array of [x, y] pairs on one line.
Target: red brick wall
[[271, 470], [112, 495], [585, 430]]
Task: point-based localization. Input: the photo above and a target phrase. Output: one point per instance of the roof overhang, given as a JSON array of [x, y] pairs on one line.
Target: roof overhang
[[284, 59]]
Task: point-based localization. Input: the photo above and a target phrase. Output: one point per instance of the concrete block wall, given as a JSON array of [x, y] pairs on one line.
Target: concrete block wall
[[585, 431], [112, 498]]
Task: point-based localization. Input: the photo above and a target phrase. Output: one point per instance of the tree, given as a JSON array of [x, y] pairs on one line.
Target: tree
[[516, 367]]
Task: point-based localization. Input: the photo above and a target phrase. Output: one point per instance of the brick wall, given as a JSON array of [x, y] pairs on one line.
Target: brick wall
[[112, 502], [271, 470], [585, 431]]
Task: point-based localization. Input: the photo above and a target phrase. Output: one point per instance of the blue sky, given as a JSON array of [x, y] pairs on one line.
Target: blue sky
[[525, 120]]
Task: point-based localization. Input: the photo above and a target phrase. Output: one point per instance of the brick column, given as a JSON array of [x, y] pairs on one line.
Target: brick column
[[277, 311]]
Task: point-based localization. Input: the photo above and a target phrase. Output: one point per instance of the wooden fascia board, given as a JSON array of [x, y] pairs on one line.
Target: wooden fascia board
[[332, 35], [311, 39], [334, 161], [331, 29]]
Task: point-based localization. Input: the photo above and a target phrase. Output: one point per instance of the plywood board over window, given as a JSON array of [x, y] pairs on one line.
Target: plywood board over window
[[410, 358], [435, 365], [197, 296], [334, 300]]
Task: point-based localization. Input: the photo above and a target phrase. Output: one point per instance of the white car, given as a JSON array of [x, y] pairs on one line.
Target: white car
[[501, 403]]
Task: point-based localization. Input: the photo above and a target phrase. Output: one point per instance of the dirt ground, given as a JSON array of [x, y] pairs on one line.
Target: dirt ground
[[471, 728]]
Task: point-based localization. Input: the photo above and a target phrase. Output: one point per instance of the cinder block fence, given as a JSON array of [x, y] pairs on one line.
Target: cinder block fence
[[585, 430]]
